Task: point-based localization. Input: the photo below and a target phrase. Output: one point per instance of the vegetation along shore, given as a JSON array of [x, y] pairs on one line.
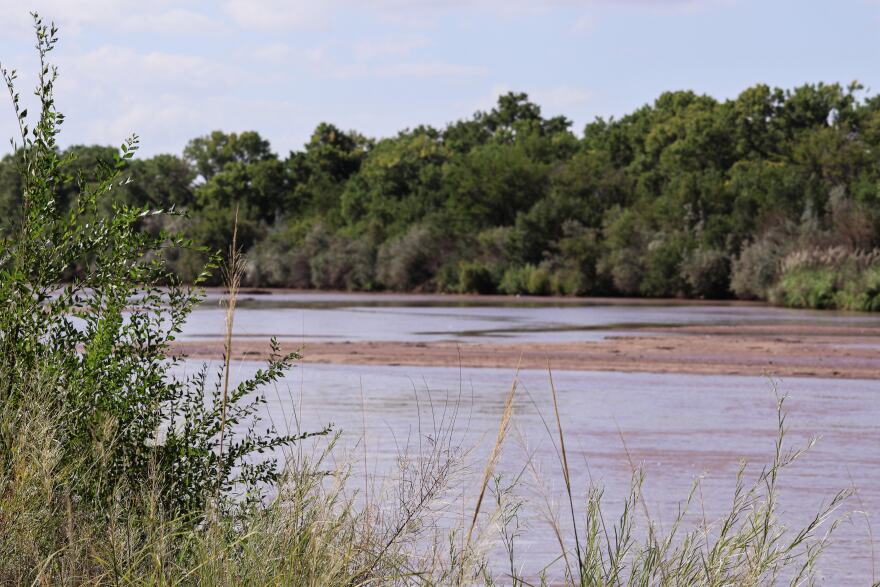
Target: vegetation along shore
[[772, 195]]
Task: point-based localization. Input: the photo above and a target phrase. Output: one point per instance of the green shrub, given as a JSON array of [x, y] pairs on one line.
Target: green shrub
[[279, 260], [757, 268], [662, 276], [870, 290], [90, 310], [515, 280], [411, 260], [539, 283], [568, 281], [338, 262], [527, 279], [808, 288], [861, 293], [475, 278]]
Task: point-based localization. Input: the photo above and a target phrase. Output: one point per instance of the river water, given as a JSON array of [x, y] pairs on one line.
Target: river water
[[412, 318], [676, 427]]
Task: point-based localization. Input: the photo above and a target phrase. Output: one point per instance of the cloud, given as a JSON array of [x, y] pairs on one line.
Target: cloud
[[401, 70], [334, 61], [561, 98], [430, 69], [367, 50], [113, 68], [279, 14], [72, 17]]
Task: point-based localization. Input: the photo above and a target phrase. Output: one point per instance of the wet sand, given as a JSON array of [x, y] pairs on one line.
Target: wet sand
[[830, 351]]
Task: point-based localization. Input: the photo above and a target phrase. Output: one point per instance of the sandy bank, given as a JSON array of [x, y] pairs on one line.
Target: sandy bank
[[777, 350]]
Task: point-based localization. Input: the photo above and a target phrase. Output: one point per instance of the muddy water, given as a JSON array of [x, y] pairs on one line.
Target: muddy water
[[371, 317], [677, 427]]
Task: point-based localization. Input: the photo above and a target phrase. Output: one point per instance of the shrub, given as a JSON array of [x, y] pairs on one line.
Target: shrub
[[757, 268], [279, 260], [90, 311], [527, 279], [861, 293], [475, 278], [567, 281], [410, 261], [539, 283], [662, 276], [807, 288], [707, 272], [516, 280], [833, 277], [338, 262]]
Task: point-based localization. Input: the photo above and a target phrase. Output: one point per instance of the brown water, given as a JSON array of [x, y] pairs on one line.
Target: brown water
[[413, 318], [677, 427]]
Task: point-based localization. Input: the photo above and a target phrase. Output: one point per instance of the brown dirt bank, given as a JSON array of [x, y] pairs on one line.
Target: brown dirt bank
[[790, 350]]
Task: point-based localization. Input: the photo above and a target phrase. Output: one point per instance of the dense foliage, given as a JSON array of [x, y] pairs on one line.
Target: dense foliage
[[689, 196]]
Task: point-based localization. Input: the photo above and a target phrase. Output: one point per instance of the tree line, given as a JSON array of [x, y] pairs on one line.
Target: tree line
[[771, 195]]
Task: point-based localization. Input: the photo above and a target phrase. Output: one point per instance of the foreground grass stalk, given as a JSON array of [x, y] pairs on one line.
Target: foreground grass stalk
[[232, 273], [494, 455], [565, 474]]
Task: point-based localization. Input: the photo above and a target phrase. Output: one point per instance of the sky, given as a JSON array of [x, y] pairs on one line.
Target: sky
[[173, 70]]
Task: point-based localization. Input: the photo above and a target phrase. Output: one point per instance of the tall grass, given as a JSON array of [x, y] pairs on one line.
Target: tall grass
[[830, 278], [320, 528]]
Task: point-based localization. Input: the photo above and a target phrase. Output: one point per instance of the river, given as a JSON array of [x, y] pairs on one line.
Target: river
[[677, 427]]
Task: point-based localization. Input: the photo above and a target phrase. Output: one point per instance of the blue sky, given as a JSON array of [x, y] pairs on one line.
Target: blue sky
[[171, 71]]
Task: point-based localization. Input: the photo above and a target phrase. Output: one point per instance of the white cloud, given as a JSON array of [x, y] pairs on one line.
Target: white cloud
[[278, 14], [322, 61], [171, 21], [430, 69], [273, 53], [399, 70], [584, 24], [367, 50], [114, 69], [73, 17], [560, 99]]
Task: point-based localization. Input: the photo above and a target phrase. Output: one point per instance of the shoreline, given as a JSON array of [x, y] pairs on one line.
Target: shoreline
[[267, 293]]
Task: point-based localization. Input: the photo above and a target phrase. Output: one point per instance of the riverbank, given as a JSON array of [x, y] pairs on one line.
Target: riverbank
[[781, 350]]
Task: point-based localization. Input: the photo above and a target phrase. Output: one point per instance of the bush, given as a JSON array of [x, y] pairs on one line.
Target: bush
[[410, 261], [757, 268], [707, 272], [526, 279], [861, 293], [807, 288], [834, 277], [539, 283], [337, 262], [279, 260], [90, 311], [567, 281], [662, 276], [475, 278], [515, 280]]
